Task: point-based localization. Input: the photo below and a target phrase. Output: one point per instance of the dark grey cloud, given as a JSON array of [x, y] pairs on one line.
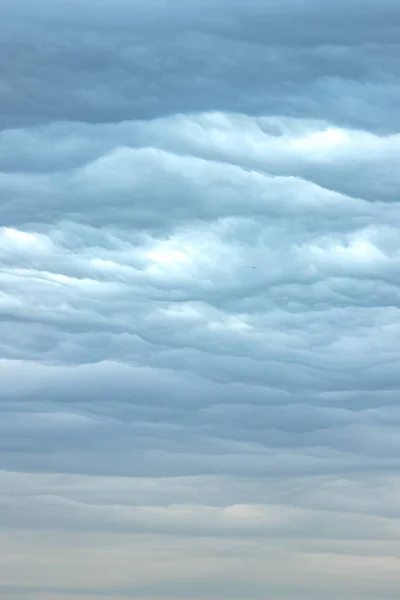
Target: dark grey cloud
[[199, 299], [88, 62]]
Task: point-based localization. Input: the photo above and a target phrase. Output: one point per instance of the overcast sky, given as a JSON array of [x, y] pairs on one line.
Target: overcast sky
[[199, 299]]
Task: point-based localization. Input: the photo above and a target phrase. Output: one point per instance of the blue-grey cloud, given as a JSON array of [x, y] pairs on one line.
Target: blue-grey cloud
[[199, 299]]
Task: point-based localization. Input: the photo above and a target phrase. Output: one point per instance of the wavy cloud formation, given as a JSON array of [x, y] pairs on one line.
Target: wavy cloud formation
[[199, 299]]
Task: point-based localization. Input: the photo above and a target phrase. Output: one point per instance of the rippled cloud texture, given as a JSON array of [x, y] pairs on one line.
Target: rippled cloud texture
[[199, 295]]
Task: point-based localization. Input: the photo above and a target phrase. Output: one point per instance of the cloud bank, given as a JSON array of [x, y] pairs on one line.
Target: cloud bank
[[199, 300]]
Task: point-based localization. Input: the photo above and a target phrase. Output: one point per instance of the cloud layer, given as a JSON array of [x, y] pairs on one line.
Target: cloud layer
[[199, 299]]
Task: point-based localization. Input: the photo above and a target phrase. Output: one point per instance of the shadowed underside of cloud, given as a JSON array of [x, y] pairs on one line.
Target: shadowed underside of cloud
[[102, 61], [199, 300]]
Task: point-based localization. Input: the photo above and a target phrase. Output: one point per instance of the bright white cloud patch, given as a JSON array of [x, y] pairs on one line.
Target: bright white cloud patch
[[200, 300]]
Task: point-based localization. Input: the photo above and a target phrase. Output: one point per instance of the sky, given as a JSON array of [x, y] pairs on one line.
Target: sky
[[199, 300]]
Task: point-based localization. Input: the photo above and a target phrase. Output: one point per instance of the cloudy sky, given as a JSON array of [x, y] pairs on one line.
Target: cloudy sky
[[199, 299]]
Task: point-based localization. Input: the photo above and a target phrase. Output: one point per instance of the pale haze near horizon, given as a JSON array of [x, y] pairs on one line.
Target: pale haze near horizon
[[199, 299]]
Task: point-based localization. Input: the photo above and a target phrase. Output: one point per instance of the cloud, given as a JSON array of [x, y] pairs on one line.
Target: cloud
[[121, 63], [199, 300]]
